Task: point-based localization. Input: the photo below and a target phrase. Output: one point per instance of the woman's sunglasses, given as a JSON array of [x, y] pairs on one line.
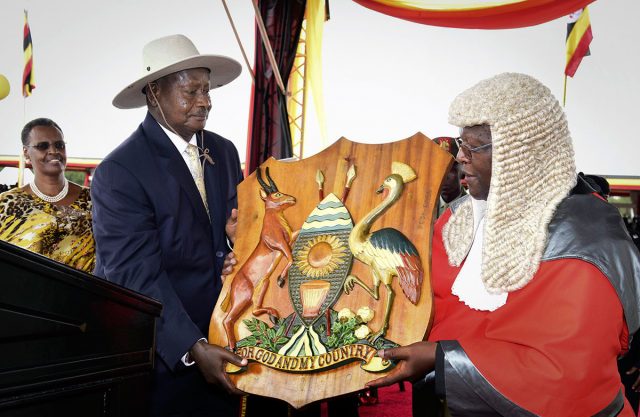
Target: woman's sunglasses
[[44, 146]]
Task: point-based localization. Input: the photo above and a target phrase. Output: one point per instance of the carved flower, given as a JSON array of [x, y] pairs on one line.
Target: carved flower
[[362, 331], [366, 314], [345, 314]]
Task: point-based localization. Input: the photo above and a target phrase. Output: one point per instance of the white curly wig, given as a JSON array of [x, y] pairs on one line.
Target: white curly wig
[[533, 169]]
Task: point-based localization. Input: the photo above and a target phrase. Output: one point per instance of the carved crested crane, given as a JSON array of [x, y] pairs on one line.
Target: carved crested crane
[[387, 251]]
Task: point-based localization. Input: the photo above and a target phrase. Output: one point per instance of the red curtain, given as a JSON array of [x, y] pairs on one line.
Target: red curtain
[[269, 133], [515, 15]]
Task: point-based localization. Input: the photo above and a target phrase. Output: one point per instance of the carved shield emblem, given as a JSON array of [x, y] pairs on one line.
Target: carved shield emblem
[[321, 259], [333, 265]]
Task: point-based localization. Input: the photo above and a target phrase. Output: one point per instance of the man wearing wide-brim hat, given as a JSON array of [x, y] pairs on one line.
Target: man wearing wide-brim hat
[[163, 211]]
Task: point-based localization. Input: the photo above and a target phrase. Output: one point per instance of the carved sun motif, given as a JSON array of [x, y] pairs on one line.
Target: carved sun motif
[[321, 255]]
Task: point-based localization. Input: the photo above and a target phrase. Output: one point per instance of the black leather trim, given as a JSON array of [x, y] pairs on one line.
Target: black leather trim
[[614, 408], [468, 393], [438, 378], [590, 229]]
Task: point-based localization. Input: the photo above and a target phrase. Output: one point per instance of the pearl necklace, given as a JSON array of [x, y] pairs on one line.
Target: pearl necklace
[[51, 199]]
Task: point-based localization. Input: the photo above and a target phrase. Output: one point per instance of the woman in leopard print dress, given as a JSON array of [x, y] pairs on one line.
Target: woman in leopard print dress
[[51, 216]]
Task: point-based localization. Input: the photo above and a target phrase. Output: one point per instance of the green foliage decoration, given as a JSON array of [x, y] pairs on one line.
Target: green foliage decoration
[[269, 338], [342, 332]]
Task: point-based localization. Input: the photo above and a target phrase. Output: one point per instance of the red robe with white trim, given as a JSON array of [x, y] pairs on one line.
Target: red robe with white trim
[[552, 348]]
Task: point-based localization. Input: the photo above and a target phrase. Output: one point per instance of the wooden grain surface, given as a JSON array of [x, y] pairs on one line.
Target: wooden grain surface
[[412, 215]]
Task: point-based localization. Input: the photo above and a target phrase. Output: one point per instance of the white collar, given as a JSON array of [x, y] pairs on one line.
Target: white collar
[[479, 209], [468, 285], [178, 142]]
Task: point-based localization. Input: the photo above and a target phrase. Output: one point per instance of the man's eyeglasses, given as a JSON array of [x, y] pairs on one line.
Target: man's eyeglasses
[[467, 151], [44, 146]]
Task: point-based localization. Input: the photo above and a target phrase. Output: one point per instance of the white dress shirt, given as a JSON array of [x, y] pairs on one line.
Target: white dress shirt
[[181, 144]]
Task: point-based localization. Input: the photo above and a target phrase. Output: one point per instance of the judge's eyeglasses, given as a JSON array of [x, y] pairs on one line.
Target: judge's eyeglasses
[[469, 151]]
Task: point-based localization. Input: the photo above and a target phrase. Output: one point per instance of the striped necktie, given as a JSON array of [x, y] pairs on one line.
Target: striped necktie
[[195, 167]]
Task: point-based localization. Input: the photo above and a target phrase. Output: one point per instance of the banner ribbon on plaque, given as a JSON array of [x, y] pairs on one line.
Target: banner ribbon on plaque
[[337, 357]]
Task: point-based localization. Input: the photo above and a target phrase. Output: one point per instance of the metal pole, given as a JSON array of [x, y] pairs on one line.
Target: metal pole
[[235, 32]]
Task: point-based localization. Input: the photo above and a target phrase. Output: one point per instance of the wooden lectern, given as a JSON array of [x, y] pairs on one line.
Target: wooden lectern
[[71, 343]]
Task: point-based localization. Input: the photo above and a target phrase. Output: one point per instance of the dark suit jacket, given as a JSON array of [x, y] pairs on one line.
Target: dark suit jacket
[[153, 235]]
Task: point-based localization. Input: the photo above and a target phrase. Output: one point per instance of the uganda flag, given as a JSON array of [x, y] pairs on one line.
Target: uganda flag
[[578, 39], [28, 80]]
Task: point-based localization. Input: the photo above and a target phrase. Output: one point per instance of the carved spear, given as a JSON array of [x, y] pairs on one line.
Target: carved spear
[[320, 181], [351, 175]]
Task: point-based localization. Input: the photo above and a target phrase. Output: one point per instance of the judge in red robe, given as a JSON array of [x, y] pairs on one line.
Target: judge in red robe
[[536, 281]]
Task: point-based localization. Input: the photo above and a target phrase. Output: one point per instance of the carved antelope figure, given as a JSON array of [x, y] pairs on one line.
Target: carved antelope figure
[[275, 242]]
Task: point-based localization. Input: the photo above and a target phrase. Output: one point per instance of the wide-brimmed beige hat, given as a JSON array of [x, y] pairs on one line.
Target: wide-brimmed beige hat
[[171, 54]]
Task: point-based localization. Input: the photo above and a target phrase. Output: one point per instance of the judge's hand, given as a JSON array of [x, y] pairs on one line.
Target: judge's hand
[[230, 227], [230, 262], [211, 360], [415, 361]]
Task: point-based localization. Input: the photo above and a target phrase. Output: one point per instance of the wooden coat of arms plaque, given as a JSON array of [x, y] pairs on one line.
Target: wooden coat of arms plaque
[[333, 264]]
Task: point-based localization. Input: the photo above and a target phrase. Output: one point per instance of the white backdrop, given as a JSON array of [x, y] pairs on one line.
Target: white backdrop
[[384, 78]]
